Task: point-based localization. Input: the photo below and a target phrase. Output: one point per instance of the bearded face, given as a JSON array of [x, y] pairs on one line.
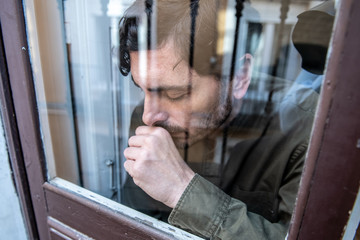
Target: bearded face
[[187, 105]]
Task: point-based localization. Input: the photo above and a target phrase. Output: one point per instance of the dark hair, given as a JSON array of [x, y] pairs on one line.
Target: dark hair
[[128, 42], [173, 23]]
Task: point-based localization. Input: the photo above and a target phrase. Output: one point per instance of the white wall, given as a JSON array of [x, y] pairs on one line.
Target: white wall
[[11, 221]]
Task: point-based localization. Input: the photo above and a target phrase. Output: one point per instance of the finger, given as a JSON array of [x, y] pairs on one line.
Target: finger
[[130, 153], [136, 141], [129, 165], [144, 130]]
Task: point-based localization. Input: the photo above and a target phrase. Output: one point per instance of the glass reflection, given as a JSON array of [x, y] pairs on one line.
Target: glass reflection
[[239, 117], [233, 89]]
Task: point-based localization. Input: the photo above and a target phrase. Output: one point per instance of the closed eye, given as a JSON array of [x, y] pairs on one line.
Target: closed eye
[[174, 95]]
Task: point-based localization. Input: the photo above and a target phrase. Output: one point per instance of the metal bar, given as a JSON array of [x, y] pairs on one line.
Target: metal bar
[[149, 11], [239, 8], [110, 163], [194, 7]]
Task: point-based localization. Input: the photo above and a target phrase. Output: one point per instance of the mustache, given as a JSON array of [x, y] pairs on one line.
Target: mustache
[[170, 128]]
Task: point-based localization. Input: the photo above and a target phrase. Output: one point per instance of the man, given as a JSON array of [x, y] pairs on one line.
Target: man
[[190, 104]]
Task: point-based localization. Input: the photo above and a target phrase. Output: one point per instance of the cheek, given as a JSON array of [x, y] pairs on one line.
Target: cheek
[[179, 113], [201, 105], [206, 100]]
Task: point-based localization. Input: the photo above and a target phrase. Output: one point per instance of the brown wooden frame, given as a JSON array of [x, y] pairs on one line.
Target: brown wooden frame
[[20, 118], [330, 182], [14, 149], [331, 176]]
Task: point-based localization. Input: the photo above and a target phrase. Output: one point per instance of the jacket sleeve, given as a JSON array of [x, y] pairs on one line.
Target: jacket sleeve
[[207, 211]]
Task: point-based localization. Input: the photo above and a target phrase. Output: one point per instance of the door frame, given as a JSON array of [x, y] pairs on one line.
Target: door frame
[[327, 192], [330, 181], [21, 122]]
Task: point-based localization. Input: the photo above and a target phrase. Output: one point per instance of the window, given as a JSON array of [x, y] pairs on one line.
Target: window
[[87, 109]]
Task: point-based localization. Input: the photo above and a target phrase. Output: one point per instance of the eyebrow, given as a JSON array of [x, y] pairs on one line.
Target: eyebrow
[[169, 88], [165, 88]]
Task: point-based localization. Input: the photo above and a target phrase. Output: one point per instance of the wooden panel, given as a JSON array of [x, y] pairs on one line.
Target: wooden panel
[[59, 230], [54, 235], [95, 220]]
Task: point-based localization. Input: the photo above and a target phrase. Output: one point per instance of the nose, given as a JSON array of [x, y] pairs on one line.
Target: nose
[[153, 111]]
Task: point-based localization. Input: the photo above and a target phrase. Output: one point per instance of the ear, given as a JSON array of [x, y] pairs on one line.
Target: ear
[[242, 77]]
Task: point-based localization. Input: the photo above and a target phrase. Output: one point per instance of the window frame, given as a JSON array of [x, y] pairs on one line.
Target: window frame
[[315, 197]]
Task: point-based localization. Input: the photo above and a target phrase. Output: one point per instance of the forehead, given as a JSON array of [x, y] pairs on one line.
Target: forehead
[[163, 66]]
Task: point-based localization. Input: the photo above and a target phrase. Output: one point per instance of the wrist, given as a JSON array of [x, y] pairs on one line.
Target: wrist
[[178, 191]]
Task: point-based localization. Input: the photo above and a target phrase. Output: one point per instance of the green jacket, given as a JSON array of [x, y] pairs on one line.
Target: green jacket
[[253, 196], [254, 202]]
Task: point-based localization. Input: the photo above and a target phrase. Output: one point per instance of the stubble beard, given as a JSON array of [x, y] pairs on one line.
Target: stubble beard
[[204, 126]]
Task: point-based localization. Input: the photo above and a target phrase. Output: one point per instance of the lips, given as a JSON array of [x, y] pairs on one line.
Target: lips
[[178, 135]]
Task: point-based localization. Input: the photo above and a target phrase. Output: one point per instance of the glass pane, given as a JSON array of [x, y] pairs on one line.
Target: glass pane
[[188, 104]]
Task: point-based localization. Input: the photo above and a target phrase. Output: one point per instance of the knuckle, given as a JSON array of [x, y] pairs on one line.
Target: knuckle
[[159, 131], [148, 140], [137, 171], [134, 172], [144, 154], [126, 152], [138, 129], [127, 167], [162, 132], [131, 140], [151, 140]]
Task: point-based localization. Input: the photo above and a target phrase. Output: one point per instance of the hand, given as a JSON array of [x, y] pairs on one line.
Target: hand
[[156, 166]]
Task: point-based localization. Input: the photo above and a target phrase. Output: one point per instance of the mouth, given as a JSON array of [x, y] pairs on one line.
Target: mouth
[[178, 135], [172, 129]]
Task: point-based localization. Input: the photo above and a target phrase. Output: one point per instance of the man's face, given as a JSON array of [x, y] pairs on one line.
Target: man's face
[[187, 105]]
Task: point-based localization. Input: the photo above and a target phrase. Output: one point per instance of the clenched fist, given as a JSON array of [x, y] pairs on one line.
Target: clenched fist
[[156, 166]]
